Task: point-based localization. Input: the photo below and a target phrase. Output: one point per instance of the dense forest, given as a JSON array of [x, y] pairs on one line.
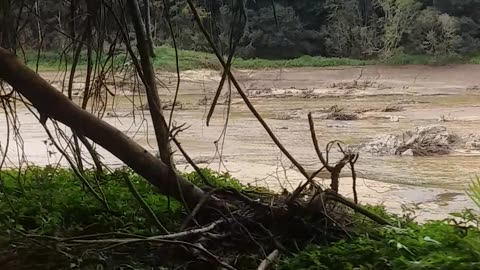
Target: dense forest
[[272, 29]]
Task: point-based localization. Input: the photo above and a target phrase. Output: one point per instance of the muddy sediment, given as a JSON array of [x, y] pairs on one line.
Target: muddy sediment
[[387, 100]]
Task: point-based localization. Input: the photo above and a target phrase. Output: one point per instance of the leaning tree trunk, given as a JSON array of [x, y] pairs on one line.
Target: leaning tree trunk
[[53, 104]]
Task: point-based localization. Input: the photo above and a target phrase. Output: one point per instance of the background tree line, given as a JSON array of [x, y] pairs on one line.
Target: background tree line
[[275, 29]]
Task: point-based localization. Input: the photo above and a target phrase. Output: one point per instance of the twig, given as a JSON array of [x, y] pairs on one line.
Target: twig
[[315, 143], [197, 208], [191, 162], [163, 239], [242, 93], [357, 208], [334, 170], [301, 187], [189, 232], [177, 63], [72, 165], [272, 237], [119, 242], [144, 205], [354, 178], [268, 262], [249, 201]]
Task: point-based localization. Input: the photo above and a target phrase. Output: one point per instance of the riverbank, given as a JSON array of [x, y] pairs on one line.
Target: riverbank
[[51, 221], [165, 60], [421, 95]]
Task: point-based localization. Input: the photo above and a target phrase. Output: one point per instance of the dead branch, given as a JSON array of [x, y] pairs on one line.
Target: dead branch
[[242, 93], [165, 239], [191, 162], [354, 178], [315, 143], [197, 208], [357, 208], [144, 205], [334, 170], [41, 94], [190, 232], [269, 261]]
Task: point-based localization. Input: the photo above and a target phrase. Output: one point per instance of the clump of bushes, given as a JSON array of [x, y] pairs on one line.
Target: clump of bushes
[[433, 245]]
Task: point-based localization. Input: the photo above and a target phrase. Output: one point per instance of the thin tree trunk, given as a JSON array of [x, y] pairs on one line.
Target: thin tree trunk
[[159, 123], [7, 27], [39, 28], [147, 26], [51, 103]]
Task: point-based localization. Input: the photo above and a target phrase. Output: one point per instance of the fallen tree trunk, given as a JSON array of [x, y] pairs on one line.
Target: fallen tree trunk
[[53, 104]]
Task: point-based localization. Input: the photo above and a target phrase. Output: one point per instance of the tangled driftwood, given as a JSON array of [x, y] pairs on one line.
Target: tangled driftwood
[[421, 141]]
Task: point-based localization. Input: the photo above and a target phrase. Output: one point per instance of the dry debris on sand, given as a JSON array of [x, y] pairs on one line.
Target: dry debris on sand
[[342, 116], [420, 141]]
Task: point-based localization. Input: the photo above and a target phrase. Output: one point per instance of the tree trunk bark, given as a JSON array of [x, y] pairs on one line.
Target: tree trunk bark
[[51, 103], [159, 124], [7, 27], [147, 26]]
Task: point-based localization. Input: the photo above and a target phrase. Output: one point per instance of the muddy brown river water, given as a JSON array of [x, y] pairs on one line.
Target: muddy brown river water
[[284, 98]]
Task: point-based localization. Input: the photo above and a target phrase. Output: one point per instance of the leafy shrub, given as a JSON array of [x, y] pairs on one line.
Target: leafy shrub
[[53, 201], [435, 245], [435, 34], [348, 33]]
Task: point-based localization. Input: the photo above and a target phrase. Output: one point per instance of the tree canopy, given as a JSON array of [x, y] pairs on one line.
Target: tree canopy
[[277, 29]]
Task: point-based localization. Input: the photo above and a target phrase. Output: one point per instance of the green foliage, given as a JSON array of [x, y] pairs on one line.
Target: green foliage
[[54, 202], [423, 59], [165, 59], [270, 35], [434, 245], [350, 32], [49, 201], [435, 34], [474, 60], [304, 61], [216, 179], [474, 191], [280, 29], [398, 19], [188, 60]]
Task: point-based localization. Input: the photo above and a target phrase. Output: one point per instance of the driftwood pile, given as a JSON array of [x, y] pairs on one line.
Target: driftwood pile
[[421, 141]]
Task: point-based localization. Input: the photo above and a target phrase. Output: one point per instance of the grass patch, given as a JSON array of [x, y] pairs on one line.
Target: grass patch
[[475, 59], [55, 202], [165, 59], [408, 59], [304, 61], [190, 60]]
